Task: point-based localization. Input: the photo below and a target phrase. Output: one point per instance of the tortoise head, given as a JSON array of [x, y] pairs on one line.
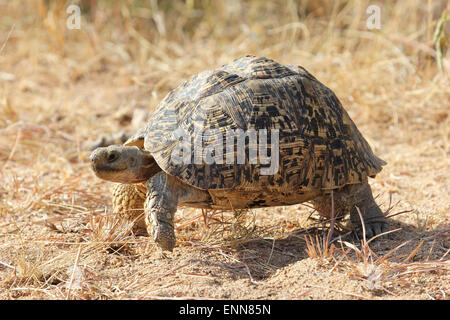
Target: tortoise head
[[124, 164]]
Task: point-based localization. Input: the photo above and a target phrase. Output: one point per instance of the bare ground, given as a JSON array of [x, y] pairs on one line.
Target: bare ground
[[61, 89]]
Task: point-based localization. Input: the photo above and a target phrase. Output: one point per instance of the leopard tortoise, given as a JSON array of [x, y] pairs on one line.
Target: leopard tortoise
[[318, 150]]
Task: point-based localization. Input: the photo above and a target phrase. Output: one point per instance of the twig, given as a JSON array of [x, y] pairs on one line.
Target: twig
[[73, 272], [330, 233], [143, 295], [271, 251], [13, 150], [7, 265], [7, 38]]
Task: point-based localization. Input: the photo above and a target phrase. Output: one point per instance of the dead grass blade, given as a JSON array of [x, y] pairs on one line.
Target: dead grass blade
[[319, 248], [413, 253], [61, 89], [72, 276], [7, 38]]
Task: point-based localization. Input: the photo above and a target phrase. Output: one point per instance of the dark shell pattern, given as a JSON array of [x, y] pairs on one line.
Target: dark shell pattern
[[319, 145]]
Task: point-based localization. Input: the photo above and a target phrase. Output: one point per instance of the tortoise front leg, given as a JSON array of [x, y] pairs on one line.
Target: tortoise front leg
[[164, 194]]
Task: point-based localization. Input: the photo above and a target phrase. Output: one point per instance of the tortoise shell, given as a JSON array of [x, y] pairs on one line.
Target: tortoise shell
[[319, 146]]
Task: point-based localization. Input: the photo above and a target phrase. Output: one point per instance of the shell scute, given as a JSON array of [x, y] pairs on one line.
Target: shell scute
[[319, 145]]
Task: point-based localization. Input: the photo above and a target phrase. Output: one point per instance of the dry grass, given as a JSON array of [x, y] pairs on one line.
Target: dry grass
[[61, 89]]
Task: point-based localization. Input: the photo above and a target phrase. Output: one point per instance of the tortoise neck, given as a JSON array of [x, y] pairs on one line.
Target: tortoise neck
[[148, 167]]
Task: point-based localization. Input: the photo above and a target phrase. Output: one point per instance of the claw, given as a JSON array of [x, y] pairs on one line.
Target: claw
[[372, 229], [164, 236]]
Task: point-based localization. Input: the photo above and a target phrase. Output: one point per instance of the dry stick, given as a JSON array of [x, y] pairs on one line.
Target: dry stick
[[34, 289], [390, 207], [73, 272], [304, 293], [431, 249], [173, 270], [365, 245], [205, 217], [189, 222], [330, 233], [248, 271], [362, 225], [271, 251], [197, 217], [13, 150], [7, 38], [146, 293], [397, 213], [413, 253], [7, 265], [382, 234], [385, 257], [310, 248], [446, 252]]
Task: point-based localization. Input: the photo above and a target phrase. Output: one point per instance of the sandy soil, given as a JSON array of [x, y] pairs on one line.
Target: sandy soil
[[61, 89]]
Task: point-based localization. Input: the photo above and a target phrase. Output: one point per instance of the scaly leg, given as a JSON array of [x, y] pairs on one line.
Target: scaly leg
[[346, 200], [164, 194], [128, 202]]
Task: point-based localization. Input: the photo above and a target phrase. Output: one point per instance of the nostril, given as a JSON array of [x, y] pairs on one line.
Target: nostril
[[93, 157], [112, 157]]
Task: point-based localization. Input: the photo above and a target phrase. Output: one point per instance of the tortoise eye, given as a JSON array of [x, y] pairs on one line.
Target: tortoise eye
[[112, 157]]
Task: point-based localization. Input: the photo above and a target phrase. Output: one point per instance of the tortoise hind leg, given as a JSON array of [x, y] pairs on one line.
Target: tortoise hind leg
[[373, 217], [347, 200], [128, 203]]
